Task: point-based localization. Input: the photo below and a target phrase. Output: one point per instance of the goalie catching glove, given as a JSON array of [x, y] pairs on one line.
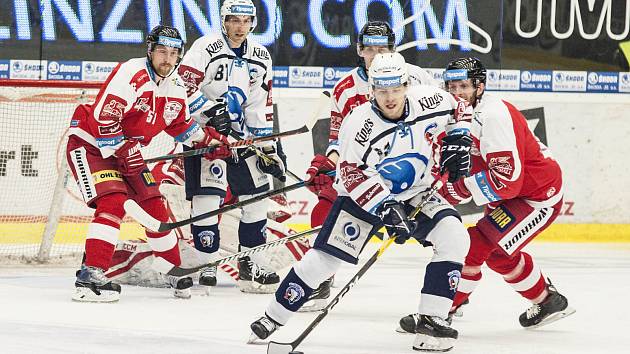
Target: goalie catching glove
[[396, 221], [272, 166], [129, 158], [212, 137]]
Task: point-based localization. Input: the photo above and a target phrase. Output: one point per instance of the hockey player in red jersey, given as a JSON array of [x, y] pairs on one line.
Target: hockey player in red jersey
[[141, 98], [515, 177]]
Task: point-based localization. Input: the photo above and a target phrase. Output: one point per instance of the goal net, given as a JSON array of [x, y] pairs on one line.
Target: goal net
[[42, 215]]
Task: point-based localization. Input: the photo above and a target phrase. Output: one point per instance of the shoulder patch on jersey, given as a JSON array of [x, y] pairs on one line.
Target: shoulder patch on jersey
[[138, 79], [113, 108], [351, 175], [431, 102], [343, 85], [191, 77], [501, 163]]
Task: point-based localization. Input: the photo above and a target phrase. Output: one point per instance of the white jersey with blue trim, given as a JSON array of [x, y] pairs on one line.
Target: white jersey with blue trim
[[353, 89], [212, 70], [381, 159]]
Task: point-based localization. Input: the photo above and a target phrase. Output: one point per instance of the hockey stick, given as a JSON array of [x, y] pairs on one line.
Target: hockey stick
[[135, 211], [325, 96], [180, 272], [286, 348]]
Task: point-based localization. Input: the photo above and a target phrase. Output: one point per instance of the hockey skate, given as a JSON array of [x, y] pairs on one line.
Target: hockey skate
[[93, 286], [434, 335], [553, 308], [181, 286], [262, 328], [253, 278], [408, 324], [208, 276], [317, 300]]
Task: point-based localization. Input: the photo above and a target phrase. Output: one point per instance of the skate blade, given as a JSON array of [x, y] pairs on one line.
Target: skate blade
[[253, 339], [313, 305], [182, 294], [425, 343], [402, 331], [554, 317], [86, 295], [248, 286]]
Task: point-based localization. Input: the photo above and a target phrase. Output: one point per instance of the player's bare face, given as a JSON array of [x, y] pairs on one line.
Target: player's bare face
[[369, 52], [237, 28], [164, 59], [465, 89], [391, 101]]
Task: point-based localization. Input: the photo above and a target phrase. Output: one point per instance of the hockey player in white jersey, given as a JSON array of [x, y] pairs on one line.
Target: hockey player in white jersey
[[349, 92], [386, 155], [229, 79]]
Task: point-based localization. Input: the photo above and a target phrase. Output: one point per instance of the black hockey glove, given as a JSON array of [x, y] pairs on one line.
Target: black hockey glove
[[219, 117], [455, 156], [272, 164], [396, 221]]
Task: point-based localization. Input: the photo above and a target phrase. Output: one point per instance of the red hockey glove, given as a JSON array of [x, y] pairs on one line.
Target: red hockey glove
[[456, 192], [211, 137], [130, 160], [315, 177]]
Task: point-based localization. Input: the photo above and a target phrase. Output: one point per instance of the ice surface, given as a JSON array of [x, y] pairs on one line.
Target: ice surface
[[37, 315]]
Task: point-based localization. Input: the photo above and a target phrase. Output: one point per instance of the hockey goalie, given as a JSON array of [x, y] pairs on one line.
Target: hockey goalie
[[132, 259]]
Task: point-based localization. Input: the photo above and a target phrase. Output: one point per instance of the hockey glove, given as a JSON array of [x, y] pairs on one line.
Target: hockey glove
[[212, 137], [315, 177], [129, 158], [455, 156], [455, 193], [219, 117], [272, 166], [396, 221]]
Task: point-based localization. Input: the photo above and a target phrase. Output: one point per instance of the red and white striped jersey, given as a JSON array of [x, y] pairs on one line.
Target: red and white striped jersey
[[131, 105], [508, 160], [353, 89]]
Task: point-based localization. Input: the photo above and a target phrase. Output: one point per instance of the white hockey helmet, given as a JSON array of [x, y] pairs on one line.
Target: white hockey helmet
[[238, 8], [388, 70]]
